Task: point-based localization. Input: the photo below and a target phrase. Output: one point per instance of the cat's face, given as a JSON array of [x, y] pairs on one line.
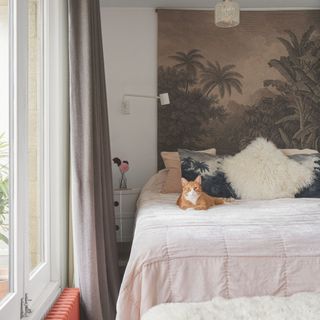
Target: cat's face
[[191, 190]]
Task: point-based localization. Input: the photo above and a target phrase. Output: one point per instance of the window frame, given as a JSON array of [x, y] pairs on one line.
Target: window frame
[[55, 97]]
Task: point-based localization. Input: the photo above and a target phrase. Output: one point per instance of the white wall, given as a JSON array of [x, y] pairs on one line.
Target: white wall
[[130, 53]]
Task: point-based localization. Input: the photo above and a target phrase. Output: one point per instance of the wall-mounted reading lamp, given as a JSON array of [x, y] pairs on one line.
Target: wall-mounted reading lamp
[[125, 108]]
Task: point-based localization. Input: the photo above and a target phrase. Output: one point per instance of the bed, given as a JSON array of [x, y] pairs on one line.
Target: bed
[[246, 248]]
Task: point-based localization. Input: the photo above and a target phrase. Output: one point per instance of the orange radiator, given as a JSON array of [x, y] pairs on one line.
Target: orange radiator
[[67, 307]]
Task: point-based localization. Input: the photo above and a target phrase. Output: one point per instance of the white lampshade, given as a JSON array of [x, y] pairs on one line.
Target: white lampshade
[[227, 14], [164, 99]]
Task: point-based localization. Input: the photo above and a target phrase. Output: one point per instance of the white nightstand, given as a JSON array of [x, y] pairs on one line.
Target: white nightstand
[[125, 212]]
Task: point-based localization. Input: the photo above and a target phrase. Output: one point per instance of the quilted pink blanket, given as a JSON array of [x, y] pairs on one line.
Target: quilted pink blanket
[[247, 248]]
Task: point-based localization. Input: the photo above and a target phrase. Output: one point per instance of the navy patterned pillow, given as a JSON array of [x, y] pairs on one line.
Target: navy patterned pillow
[[311, 161], [214, 181]]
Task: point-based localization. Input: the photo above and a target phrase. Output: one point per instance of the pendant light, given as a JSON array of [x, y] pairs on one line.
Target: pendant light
[[227, 14]]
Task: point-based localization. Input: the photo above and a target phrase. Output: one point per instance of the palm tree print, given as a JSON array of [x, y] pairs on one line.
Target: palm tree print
[[203, 112], [190, 62], [224, 78], [200, 167], [300, 70], [296, 48], [192, 168], [189, 164]]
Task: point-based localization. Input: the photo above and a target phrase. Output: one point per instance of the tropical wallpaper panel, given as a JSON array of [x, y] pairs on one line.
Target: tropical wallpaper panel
[[228, 86]]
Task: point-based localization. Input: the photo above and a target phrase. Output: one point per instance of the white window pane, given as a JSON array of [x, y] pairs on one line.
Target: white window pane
[[34, 138]]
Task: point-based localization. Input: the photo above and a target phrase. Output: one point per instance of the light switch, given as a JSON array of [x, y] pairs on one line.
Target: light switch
[[125, 107]]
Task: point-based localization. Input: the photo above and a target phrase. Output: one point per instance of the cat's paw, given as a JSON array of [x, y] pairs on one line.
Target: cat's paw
[[229, 200], [200, 208]]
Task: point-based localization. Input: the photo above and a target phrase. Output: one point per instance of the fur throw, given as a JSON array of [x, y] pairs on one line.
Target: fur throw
[[301, 306]]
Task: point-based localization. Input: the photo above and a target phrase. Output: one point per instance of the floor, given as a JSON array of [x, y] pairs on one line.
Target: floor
[[124, 249]]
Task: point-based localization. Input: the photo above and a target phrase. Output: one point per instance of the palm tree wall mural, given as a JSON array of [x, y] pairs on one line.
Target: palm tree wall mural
[[301, 85], [224, 78], [229, 87], [190, 62]]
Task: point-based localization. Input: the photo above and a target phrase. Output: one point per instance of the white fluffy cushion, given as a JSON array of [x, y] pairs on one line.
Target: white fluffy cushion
[[261, 171]]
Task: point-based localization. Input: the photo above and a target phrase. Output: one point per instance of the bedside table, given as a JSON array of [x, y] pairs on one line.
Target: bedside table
[[124, 201]]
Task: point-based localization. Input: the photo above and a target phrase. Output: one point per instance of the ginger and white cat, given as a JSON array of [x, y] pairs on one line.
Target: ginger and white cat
[[193, 197]]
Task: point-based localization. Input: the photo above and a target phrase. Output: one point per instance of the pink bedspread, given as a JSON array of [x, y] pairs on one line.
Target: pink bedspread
[[247, 248]]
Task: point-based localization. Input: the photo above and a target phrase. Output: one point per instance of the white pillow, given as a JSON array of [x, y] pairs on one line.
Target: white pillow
[[261, 171]]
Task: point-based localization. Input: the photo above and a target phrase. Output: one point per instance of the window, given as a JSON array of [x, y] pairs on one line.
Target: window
[[33, 165], [37, 259], [35, 148], [4, 151]]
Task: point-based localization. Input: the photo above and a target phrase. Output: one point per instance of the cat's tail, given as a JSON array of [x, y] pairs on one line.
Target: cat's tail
[[218, 201]]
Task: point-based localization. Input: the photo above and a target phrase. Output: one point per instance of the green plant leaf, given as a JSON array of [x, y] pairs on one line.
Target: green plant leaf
[[4, 238]]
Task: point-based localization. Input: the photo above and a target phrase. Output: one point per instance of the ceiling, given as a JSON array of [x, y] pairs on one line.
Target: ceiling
[[268, 4]]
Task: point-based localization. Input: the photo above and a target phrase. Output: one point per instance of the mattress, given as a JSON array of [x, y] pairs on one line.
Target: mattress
[[246, 248]]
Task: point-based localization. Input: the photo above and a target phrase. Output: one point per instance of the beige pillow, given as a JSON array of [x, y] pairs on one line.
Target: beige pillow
[[290, 152], [172, 163]]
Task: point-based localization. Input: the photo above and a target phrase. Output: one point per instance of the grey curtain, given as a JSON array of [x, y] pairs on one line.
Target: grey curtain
[[91, 178]]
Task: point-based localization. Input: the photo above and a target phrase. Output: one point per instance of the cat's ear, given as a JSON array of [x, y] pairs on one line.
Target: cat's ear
[[198, 179], [184, 181]]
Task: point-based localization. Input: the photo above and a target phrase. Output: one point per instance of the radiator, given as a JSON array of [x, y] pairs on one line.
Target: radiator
[[67, 307]]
